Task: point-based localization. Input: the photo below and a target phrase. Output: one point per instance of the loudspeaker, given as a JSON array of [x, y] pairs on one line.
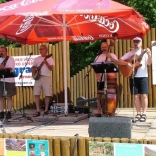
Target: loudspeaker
[[113, 127]]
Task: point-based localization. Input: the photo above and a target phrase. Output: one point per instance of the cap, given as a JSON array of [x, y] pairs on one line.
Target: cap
[[137, 39]]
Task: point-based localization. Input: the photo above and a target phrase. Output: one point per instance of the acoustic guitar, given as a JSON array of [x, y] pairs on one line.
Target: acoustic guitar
[[128, 72], [36, 75]]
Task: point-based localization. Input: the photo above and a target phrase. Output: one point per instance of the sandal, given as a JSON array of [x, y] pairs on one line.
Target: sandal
[[46, 113], [36, 114], [97, 115], [143, 118], [138, 117]]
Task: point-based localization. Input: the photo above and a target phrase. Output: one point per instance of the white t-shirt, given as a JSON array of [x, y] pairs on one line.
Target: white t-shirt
[[10, 64], [142, 71], [44, 69], [102, 58]]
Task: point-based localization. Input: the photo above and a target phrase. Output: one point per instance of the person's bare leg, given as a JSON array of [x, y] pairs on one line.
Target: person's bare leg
[[144, 103], [47, 100], [138, 103], [98, 103], [10, 101], [37, 101]]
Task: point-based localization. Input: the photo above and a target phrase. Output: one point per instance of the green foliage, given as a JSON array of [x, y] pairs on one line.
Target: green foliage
[[9, 43], [82, 54], [2, 1], [145, 7]]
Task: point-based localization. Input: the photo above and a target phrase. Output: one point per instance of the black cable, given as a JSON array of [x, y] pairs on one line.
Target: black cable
[[75, 144], [37, 127]]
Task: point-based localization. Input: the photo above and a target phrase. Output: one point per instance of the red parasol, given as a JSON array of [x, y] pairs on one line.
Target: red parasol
[[35, 21]]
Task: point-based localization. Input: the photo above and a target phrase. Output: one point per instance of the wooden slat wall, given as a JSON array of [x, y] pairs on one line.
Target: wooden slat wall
[[78, 85]]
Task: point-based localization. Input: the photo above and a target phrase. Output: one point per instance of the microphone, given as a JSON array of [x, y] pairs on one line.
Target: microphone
[[99, 52], [30, 53], [1, 54]]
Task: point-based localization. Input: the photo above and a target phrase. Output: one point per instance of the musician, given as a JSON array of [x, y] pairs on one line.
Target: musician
[[44, 82], [9, 83], [104, 56], [140, 78]]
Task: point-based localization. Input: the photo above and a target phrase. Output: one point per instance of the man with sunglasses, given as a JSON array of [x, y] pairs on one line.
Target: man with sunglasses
[[139, 81], [44, 80]]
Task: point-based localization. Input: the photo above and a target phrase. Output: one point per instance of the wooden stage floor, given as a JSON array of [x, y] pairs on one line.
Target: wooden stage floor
[[71, 124]]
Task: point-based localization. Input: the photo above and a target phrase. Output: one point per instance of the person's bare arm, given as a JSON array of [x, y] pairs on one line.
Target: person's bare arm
[[148, 51], [50, 67]]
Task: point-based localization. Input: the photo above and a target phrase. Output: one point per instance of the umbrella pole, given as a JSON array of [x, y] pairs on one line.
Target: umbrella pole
[[65, 63]]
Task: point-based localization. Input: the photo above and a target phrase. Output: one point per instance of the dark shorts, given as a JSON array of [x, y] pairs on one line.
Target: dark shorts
[[100, 85], [9, 87], [140, 85]]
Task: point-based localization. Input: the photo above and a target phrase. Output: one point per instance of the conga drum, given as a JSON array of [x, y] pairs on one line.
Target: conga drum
[[109, 101]]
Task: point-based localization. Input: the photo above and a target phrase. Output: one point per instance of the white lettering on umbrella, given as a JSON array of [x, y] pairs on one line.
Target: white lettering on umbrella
[[111, 25], [25, 25], [33, 13], [10, 37], [17, 5], [83, 38]]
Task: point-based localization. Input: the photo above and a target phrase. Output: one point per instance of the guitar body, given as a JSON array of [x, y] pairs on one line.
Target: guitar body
[[36, 75], [128, 72]]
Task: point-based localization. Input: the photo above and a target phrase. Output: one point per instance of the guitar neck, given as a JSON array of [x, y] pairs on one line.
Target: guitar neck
[[40, 66], [5, 61], [141, 55]]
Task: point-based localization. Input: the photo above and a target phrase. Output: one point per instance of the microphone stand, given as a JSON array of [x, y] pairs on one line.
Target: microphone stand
[[21, 77], [87, 75], [133, 99]]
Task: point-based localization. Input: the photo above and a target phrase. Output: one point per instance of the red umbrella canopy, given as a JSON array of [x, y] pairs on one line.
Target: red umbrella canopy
[[82, 20], [35, 21]]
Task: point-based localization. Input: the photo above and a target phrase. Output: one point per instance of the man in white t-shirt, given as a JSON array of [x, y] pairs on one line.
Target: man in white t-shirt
[[9, 83], [44, 81], [105, 56], [140, 86]]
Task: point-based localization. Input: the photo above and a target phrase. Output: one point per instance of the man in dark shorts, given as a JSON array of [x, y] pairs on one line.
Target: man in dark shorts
[[9, 83], [140, 86]]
